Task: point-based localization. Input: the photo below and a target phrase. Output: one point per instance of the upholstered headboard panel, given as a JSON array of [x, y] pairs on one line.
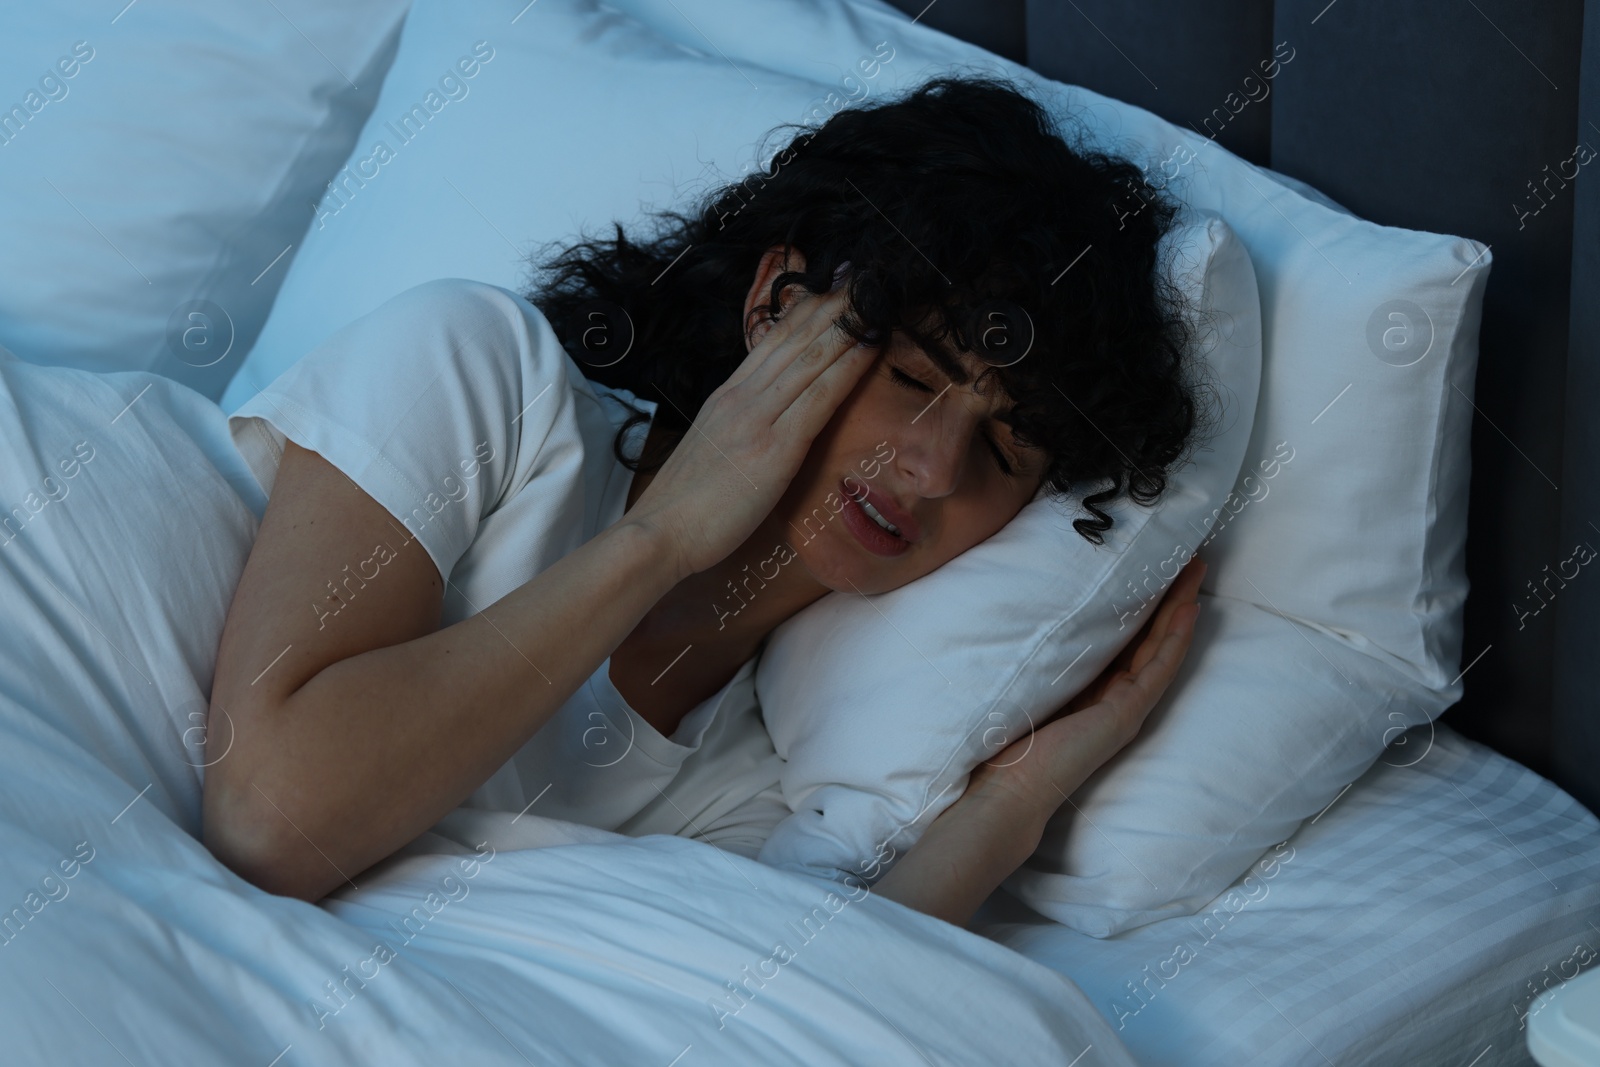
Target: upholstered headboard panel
[[1456, 116]]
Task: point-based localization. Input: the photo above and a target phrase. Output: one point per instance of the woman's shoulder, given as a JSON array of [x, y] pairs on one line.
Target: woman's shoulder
[[465, 300], [487, 332]]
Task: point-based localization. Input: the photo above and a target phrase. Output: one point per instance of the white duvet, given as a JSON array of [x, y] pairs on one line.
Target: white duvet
[[494, 939]]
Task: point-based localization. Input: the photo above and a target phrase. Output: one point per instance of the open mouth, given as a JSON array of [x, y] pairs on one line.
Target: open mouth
[[873, 514], [871, 530]]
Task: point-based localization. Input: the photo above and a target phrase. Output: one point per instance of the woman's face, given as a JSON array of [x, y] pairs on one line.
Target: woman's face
[[923, 450]]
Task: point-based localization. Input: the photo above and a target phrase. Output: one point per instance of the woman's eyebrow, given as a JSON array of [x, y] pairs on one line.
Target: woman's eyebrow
[[946, 361], [943, 357]]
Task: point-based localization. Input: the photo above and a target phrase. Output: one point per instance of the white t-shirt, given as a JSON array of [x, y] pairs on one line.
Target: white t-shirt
[[455, 407]]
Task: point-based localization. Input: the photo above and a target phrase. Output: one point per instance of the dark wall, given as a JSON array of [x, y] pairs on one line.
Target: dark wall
[[1576, 724], [1178, 60]]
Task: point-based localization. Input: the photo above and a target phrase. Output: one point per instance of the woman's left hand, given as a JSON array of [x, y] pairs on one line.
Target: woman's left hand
[[997, 823], [1038, 772]]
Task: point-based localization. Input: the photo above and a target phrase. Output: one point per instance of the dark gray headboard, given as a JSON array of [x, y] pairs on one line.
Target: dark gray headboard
[[1439, 115]]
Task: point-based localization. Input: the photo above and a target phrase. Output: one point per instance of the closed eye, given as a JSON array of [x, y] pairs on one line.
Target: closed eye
[[905, 381]]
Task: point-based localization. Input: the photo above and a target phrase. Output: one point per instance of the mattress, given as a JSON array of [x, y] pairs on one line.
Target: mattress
[[1413, 921]]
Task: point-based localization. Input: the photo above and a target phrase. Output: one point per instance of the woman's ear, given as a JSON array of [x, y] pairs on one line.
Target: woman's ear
[[774, 261]]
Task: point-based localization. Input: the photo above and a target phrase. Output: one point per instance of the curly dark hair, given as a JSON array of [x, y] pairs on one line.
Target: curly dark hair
[[968, 219]]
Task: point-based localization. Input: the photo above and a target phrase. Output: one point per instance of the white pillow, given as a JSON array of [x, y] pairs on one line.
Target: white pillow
[[526, 157], [923, 682], [112, 615], [1150, 833], [664, 110], [160, 160]]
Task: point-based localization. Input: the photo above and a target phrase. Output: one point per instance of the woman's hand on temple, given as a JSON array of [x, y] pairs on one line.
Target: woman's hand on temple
[[753, 432], [997, 823]]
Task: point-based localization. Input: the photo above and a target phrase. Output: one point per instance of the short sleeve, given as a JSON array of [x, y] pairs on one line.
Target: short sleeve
[[440, 404]]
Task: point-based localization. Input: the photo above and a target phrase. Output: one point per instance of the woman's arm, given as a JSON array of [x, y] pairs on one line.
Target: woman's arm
[[337, 739], [962, 857], [333, 742], [988, 833]]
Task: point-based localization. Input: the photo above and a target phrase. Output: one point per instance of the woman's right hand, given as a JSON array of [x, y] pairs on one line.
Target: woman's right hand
[[753, 432]]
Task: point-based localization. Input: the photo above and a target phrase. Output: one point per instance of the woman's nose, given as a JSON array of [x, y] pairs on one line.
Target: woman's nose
[[937, 451]]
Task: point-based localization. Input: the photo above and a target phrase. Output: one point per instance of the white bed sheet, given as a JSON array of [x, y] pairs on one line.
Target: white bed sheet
[[615, 952], [1409, 923]]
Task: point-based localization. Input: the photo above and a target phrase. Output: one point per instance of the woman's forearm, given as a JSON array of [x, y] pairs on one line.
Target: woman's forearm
[[374, 749], [962, 857]]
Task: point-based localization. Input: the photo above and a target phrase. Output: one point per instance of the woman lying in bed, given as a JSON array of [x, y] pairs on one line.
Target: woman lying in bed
[[848, 331]]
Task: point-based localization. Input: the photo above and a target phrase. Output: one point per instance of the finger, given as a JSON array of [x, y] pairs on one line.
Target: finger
[[1124, 659], [1150, 681], [1153, 644], [811, 409], [1187, 585], [811, 317], [1133, 694], [1184, 590], [811, 360], [1142, 648], [782, 326], [794, 311], [1121, 663], [1128, 659], [1102, 729]]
